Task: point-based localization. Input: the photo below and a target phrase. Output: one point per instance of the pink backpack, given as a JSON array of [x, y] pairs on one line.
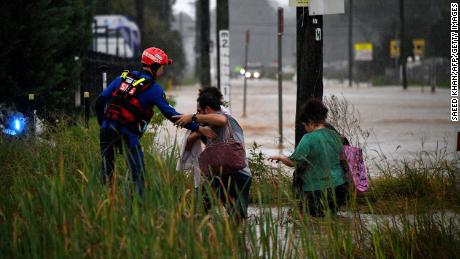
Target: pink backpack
[[356, 167]]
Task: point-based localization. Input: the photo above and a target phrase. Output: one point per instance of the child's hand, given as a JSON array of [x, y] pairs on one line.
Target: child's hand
[[275, 159], [284, 159]]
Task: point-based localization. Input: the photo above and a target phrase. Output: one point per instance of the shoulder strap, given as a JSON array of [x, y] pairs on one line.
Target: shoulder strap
[[139, 81], [229, 134], [134, 81], [124, 74]]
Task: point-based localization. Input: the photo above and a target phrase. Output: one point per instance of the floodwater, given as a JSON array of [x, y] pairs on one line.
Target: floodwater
[[401, 123], [287, 232]]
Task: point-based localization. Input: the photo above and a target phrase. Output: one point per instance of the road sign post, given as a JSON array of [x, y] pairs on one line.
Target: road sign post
[[224, 64], [246, 49], [280, 75]]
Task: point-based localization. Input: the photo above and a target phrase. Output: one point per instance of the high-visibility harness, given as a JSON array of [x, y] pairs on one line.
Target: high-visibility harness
[[124, 106]]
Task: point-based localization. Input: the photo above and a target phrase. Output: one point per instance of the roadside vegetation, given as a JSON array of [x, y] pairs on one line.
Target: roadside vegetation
[[52, 205]]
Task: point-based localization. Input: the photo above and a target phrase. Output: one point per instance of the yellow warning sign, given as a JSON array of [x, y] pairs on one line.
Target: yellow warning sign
[[363, 51], [395, 50], [419, 47], [298, 3]]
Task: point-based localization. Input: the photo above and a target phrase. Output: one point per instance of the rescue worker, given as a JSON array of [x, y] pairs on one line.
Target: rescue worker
[[124, 110]]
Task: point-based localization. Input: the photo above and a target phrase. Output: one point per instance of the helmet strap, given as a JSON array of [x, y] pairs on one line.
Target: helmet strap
[[154, 68]]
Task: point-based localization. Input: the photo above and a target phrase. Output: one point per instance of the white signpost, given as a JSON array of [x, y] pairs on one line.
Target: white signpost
[[323, 7], [224, 45], [320, 7]]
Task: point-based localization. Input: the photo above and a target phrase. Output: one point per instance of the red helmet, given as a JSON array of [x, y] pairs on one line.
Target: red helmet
[[155, 55]]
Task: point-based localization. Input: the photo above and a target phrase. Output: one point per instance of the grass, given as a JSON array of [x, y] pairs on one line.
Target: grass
[[52, 205]]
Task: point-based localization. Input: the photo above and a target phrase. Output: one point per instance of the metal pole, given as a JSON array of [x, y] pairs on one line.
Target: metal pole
[[104, 80], [246, 70], [86, 100], [205, 75], [32, 109], [402, 45], [280, 75], [104, 69], [350, 45], [435, 74]]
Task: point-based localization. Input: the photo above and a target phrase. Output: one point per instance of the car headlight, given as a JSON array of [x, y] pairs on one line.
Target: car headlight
[[247, 74], [256, 74]]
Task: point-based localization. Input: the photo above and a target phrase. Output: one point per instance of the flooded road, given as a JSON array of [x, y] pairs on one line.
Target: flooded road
[[401, 123]]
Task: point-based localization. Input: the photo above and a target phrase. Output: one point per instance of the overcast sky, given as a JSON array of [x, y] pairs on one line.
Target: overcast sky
[[188, 6]]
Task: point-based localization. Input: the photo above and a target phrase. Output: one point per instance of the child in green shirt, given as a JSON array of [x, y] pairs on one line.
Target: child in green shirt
[[318, 154]]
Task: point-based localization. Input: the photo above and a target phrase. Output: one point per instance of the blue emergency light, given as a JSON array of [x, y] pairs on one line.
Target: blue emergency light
[[16, 125]]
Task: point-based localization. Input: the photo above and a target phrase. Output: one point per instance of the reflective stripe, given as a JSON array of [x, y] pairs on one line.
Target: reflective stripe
[[138, 81]]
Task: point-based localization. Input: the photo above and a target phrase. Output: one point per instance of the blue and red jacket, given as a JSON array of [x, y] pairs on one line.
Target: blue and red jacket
[[152, 95]]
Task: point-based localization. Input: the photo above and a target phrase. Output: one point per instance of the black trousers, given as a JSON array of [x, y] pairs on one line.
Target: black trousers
[[318, 202], [110, 140], [233, 192]]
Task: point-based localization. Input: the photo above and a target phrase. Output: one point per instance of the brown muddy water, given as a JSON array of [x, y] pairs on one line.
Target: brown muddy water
[[401, 123]]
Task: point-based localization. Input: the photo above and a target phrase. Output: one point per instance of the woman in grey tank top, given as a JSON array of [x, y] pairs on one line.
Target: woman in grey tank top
[[236, 184]]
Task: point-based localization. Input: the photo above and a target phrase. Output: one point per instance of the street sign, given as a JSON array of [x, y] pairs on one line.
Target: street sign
[[324, 7], [395, 50], [419, 47], [224, 57], [298, 3], [363, 51]]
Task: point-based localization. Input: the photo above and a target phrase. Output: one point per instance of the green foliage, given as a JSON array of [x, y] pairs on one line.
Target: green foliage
[[159, 34], [39, 42], [270, 184], [259, 169], [431, 177], [52, 205]]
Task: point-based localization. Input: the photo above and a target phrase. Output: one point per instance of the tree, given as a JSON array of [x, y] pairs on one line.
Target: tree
[[39, 42], [158, 34], [154, 20]]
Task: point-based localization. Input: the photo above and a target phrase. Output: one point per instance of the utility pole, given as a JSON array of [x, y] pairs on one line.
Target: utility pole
[[222, 23], [402, 44], [280, 75], [309, 62], [197, 46], [246, 49], [140, 18], [350, 45], [205, 76]]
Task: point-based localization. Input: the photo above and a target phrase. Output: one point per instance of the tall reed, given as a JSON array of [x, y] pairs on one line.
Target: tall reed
[[53, 205]]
